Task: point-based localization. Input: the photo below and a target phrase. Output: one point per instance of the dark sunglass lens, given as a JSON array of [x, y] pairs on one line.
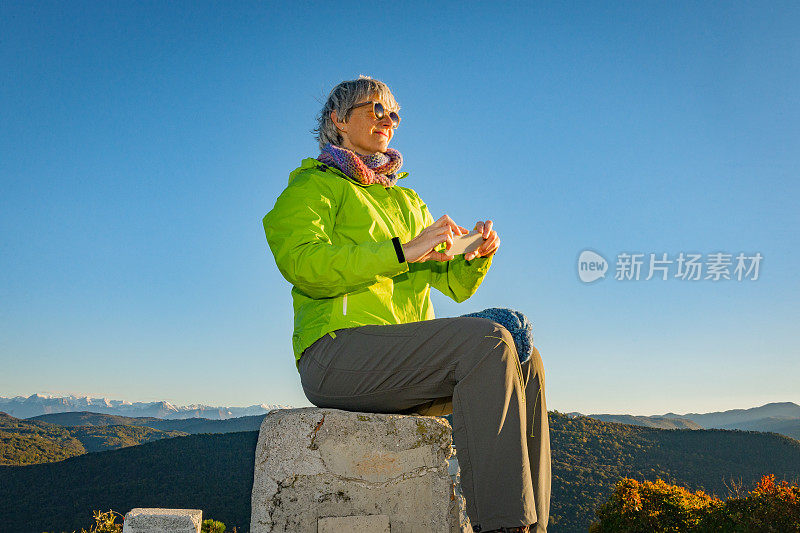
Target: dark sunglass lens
[[378, 110], [395, 118]]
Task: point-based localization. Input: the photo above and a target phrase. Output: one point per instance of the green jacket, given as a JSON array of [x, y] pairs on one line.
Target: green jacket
[[332, 240]]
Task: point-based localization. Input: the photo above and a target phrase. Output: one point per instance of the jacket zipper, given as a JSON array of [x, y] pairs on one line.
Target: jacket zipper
[[398, 212], [344, 305]]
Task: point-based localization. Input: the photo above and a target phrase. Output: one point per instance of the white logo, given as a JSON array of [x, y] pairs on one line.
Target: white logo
[[591, 266], [688, 266]]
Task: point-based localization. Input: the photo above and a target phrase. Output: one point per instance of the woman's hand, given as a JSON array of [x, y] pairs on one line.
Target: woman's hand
[[490, 241], [421, 247]]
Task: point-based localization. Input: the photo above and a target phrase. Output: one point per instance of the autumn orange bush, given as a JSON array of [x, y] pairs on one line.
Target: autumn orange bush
[[769, 508], [659, 507]]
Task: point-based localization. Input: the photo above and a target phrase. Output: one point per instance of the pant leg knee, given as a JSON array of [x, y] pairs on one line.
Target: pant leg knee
[[485, 336], [483, 327], [500, 331]]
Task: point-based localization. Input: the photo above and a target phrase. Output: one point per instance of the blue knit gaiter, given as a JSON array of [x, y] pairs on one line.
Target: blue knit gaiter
[[516, 323]]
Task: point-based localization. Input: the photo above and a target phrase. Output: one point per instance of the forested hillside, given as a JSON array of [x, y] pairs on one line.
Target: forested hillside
[[589, 456], [215, 473], [189, 426], [650, 422], [27, 442], [209, 472]]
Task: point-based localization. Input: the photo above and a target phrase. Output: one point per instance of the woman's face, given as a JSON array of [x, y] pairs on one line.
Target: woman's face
[[363, 133]]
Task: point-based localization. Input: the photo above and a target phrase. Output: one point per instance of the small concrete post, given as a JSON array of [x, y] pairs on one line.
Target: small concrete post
[[325, 470], [163, 521]]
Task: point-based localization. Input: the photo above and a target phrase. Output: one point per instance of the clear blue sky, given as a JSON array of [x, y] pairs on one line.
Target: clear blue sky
[[142, 143]]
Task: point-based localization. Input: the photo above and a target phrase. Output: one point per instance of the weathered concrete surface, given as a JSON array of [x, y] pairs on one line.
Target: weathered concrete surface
[[377, 523], [314, 463], [163, 521]]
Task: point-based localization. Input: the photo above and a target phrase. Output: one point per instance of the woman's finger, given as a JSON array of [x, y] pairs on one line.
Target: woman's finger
[[492, 249], [488, 247], [446, 221], [456, 228], [448, 239], [439, 256], [443, 230], [489, 243], [487, 229], [437, 234]]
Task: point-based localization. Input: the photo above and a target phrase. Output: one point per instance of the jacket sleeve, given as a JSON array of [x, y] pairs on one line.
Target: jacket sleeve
[[299, 230], [457, 278]]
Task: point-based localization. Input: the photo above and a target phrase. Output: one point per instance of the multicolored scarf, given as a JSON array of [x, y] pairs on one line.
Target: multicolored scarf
[[365, 169]]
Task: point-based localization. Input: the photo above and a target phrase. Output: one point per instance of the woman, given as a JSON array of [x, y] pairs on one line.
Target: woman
[[361, 253]]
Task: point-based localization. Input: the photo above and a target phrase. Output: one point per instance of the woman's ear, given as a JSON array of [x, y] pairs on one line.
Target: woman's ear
[[336, 122]]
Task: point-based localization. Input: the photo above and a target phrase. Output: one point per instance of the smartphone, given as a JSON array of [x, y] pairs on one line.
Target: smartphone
[[465, 243]]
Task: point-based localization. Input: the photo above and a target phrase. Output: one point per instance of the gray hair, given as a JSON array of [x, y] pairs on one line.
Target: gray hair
[[342, 99]]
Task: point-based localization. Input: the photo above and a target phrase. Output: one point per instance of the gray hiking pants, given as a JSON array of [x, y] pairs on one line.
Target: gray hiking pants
[[467, 366]]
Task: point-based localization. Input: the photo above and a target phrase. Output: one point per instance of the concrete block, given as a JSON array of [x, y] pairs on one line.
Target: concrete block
[[313, 464], [377, 523], [163, 521]]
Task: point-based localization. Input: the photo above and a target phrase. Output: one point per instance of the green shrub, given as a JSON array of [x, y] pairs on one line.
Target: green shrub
[[104, 523], [212, 526]]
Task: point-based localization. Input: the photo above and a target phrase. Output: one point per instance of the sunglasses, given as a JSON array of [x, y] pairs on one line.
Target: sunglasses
[[380, 112]]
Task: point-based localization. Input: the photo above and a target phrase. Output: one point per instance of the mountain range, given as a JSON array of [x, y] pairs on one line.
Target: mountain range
[[779, 417], [40, 404]]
